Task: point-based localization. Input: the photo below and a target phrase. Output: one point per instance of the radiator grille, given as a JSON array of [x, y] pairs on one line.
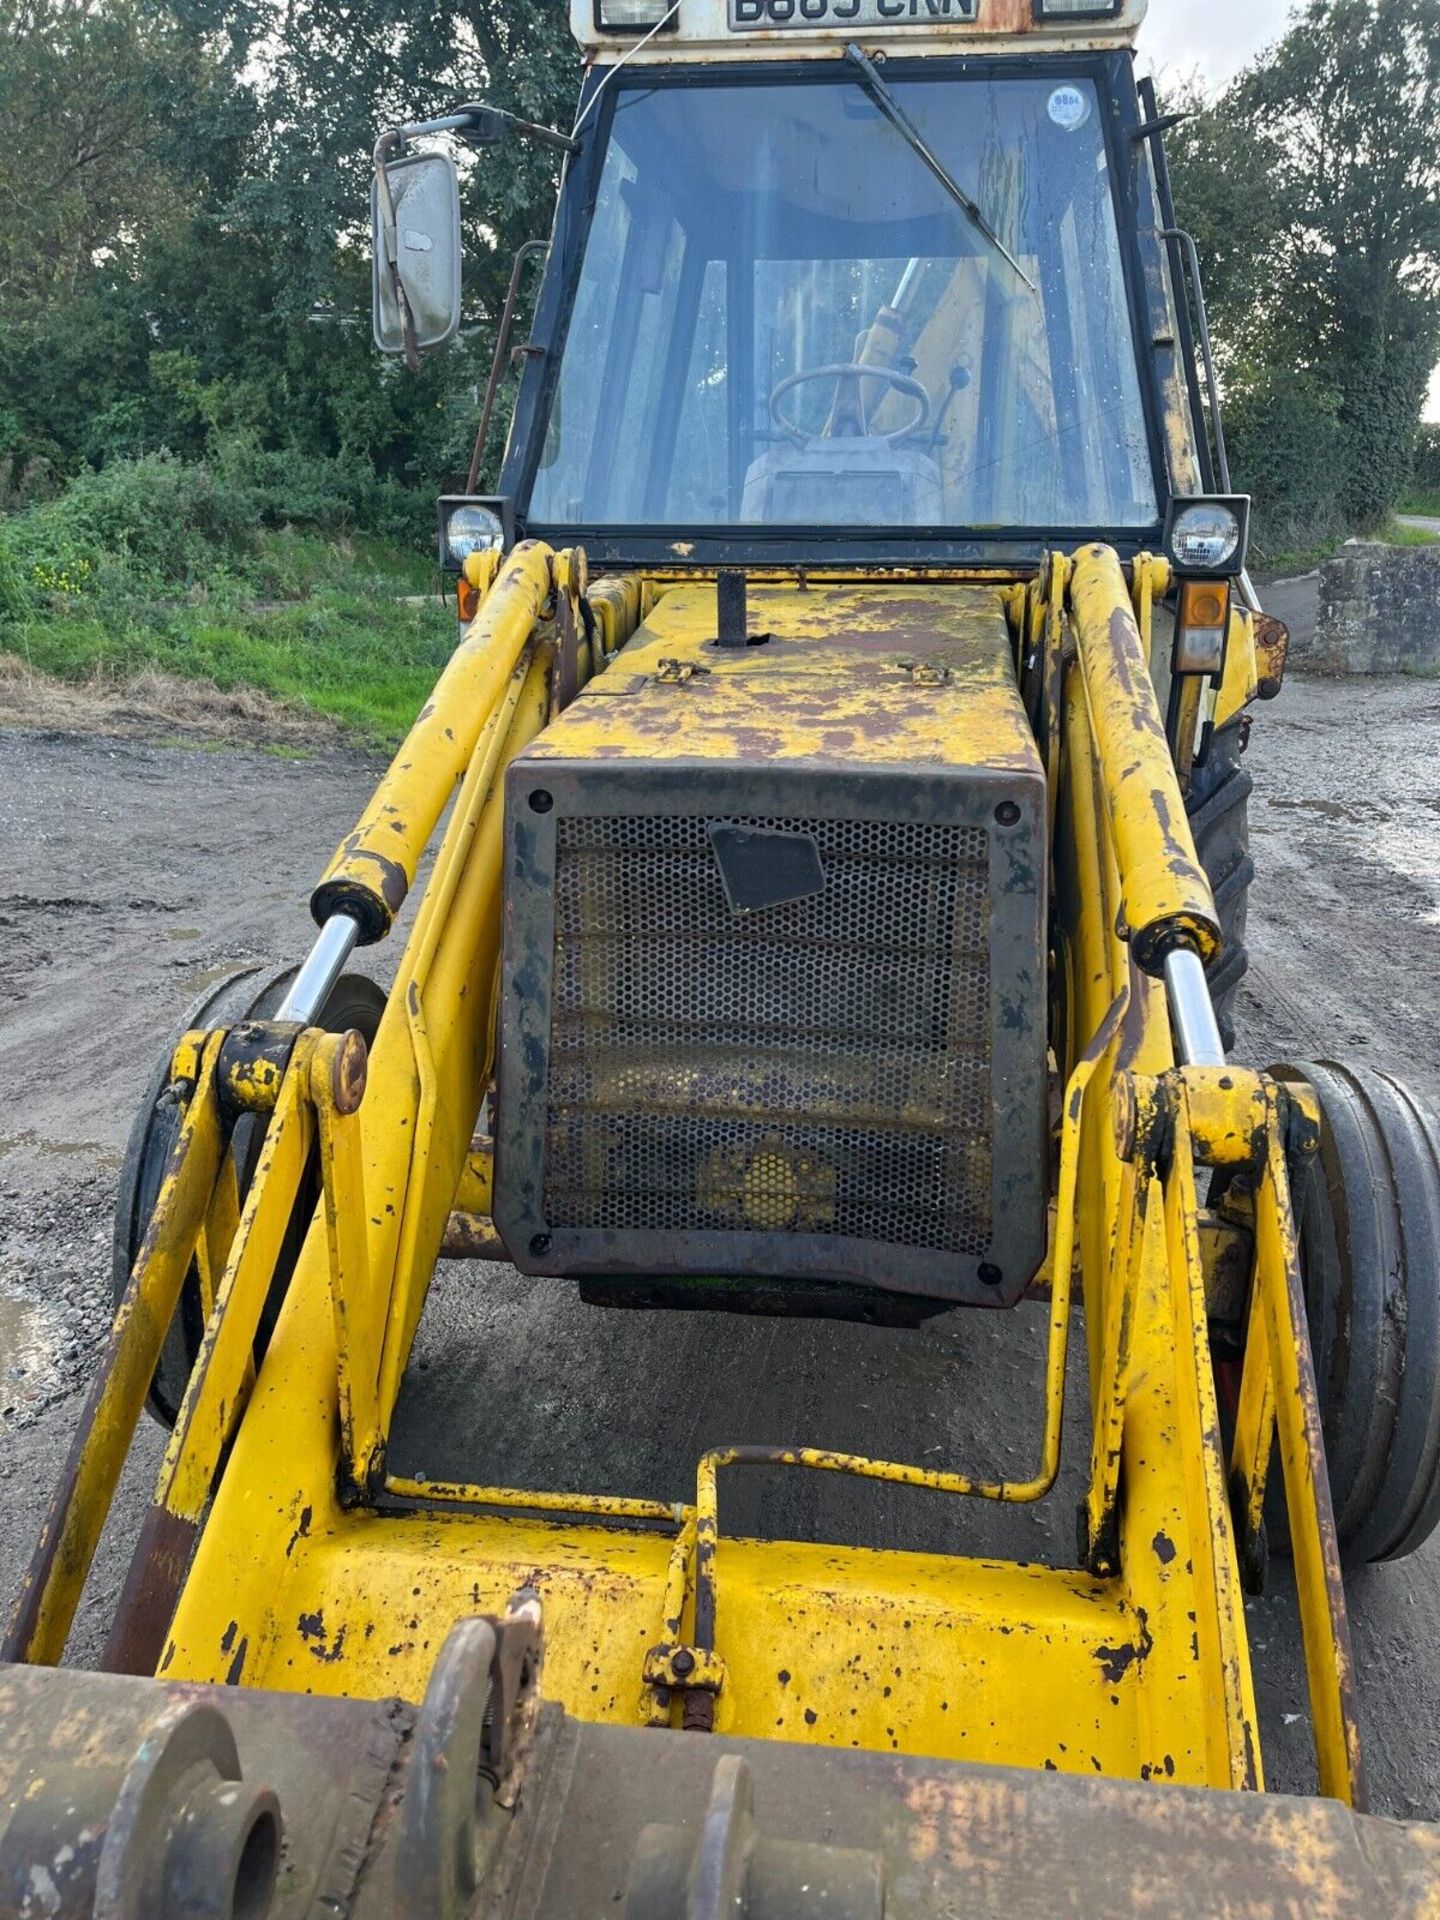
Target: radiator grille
[[820, 1067]]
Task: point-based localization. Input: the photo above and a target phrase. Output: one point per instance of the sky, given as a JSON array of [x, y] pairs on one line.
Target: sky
[[1214, 39]]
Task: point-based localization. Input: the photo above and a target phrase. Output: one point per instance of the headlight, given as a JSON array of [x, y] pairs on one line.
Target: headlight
[[466, 527], [632, 16], [1077, 9], [1208, 536]]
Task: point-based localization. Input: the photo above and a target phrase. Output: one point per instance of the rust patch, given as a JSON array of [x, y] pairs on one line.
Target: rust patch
[[1272, 649], [472, 1236], [1116, 1662], [302, 1530], [316, 1635], [152, 1586]]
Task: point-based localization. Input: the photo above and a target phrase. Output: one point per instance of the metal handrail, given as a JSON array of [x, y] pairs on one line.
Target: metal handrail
[[1186, 241]]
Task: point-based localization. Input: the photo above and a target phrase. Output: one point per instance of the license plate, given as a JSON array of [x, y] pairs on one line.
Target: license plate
[[750, 16]]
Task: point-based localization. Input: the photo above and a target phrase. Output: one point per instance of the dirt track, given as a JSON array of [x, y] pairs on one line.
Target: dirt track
[[134, 873]]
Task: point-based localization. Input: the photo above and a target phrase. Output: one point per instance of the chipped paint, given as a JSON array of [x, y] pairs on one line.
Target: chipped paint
[[1165, 897], [1143, 1662], [836, 681], [375, 865]]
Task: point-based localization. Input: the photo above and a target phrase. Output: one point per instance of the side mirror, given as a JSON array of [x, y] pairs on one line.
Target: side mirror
[[415, 271]]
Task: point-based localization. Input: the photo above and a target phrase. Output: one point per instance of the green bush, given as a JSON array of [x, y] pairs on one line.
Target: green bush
[[158, 528], [340, 493], [1425, 462], [1286, 448], [149, 526]]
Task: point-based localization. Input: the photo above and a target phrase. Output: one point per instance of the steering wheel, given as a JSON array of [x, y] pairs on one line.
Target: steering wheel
[[852, 370]]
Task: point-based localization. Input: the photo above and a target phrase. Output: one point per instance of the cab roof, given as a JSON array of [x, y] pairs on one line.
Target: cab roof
[[716, 30]]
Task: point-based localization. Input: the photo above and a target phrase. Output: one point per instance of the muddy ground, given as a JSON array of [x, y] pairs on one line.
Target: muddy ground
[[134, 873]]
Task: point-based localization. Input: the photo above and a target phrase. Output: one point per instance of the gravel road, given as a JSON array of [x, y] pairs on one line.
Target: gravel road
[[136, 873]]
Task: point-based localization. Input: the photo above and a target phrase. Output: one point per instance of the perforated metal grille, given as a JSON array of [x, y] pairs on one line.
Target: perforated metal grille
[[818, 1067]]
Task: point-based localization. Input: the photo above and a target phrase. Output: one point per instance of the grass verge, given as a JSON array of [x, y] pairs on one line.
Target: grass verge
[[316, 625], [1396, 535], [1286, 562]]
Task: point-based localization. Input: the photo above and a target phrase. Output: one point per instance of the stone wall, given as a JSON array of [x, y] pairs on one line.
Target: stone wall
[[1379, 612]]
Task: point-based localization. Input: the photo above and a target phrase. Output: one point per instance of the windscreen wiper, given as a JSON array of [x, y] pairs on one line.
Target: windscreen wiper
[[879, 91]]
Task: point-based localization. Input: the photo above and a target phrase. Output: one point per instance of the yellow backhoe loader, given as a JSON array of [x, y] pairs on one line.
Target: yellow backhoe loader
[[832, 831]]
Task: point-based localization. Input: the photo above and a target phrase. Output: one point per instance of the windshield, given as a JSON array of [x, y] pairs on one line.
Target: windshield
[[752, 244]]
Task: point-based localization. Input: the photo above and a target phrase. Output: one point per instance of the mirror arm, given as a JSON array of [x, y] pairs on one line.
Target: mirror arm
[[547, 136], [388, 143], [475, 113]]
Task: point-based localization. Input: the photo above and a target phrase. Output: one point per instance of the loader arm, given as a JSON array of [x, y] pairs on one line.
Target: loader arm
[[281, 1555], [813, 914]]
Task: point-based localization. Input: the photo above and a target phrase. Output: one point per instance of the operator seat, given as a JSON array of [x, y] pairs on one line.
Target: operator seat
[[855, 480]]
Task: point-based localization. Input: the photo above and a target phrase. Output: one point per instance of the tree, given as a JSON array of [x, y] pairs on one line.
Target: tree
[[334, 73], [1314, 185], [93, 98], [183, 261]]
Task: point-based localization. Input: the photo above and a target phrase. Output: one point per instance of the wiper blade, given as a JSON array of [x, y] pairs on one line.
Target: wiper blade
[[879, 91]]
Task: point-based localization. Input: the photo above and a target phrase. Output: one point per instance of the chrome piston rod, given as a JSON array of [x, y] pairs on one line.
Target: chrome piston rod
[[1192, 1012], [323, 965]]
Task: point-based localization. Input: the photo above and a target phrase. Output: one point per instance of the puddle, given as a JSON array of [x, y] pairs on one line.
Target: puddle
[[181, 933], [1396, 833], [26, 1354], [199, 978], [60, 1149], [1357, 815]]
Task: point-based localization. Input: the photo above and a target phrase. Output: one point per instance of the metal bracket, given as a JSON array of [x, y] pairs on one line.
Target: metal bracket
[[677, 673], [254, 1057], [673, 1667], [927, 673], [476, 1723], [730, 1869], [130, 1799]]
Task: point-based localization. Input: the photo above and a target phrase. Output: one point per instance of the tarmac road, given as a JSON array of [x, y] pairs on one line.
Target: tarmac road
[[135, 872]]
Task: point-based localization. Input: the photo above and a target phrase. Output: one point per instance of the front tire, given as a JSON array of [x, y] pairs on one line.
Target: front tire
[[249, 994], [1367, 1209]]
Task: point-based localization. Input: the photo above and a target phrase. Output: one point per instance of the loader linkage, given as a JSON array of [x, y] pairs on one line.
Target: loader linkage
[[813, 925], [170, 1800], [279, 1546]]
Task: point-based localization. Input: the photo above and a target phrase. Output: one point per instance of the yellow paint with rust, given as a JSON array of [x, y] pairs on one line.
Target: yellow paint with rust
[[50, 1591], [375, 865], [428, 1068], [1280, 1303], [361, 1606], [960, 1659], [476, 1192], [615, 602], [1138, 1664], [220, 1383], [1240, 680], [1165, 896], [841, 679]]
